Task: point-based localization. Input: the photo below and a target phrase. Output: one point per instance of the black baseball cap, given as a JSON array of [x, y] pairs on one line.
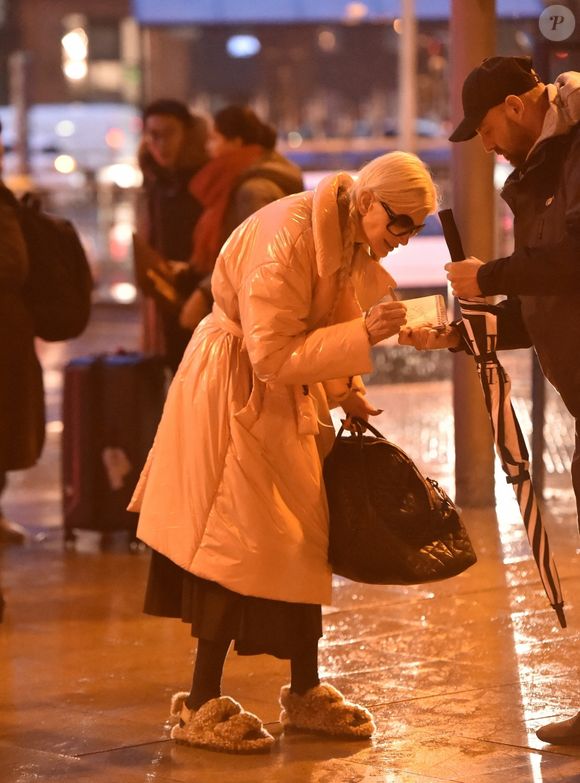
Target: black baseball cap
[[488, 85]]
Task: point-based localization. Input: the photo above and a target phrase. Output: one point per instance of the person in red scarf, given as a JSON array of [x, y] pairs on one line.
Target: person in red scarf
[[244, 174]]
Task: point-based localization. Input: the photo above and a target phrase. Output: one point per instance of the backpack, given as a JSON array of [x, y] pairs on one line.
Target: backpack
[[59, 284]]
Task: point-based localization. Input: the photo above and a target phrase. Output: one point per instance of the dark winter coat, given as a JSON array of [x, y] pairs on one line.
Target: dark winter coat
[[21, 388], [165, 218], [166, 210], [542, 276]]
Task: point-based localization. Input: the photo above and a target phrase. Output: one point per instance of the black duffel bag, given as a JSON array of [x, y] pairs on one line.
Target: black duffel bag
[[389, 524]]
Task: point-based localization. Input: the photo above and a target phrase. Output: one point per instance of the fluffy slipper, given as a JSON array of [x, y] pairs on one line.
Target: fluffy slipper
[[324, 710], [177, 705], [219, 724]]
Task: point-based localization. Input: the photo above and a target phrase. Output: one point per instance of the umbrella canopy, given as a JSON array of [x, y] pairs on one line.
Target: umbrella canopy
[[479, 326]]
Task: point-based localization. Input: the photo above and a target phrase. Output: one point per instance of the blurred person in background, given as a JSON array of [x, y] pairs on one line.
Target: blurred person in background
[[232, 498], [172, 151], [21, 387], [244, 174]]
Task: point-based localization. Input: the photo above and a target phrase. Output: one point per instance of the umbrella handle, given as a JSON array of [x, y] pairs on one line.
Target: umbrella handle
[[451, 234]]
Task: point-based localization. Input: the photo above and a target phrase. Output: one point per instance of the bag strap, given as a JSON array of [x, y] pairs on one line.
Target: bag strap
[[360, 426]]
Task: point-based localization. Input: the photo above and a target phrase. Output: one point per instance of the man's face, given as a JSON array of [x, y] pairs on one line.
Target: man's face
[[501, 134], [164, 136]]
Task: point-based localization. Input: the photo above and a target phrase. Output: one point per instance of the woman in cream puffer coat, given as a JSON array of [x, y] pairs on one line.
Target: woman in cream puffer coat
[[232, 499]]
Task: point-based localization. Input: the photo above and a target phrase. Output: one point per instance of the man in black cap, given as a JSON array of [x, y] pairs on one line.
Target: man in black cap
[[536, 128]]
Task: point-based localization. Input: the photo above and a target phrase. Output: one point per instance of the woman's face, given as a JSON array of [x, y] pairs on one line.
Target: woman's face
[[374, 222], [164, 136], [218, 144]]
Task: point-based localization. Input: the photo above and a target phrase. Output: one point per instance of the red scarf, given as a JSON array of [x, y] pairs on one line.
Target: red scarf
[[212, 186]]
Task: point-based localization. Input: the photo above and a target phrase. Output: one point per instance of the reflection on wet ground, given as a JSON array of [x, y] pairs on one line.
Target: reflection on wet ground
[[459, 674]]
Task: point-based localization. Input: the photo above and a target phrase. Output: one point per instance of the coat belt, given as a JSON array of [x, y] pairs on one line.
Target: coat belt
[[306, 412], [229, 326]]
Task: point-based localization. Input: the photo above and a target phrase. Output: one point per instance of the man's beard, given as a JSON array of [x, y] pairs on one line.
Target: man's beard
[[520, 146]]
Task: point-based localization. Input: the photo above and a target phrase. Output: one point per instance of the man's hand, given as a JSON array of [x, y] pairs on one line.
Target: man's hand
[[463, 277], [384, 320], [427, 339]]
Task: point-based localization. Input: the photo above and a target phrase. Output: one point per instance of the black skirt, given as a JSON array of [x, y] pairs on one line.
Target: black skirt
[[257, 625]]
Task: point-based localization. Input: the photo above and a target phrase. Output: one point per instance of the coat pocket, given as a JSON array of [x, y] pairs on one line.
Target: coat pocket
[[248, 415]]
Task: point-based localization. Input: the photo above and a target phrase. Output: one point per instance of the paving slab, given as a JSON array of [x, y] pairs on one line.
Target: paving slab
[[458, 674]]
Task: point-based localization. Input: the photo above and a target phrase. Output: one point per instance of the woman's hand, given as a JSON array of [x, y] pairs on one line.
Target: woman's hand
[[426, 339], [384, 320], [357, 406], [177, 268]]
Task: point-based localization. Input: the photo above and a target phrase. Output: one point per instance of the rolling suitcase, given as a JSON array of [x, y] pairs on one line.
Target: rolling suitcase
[[112, 404]]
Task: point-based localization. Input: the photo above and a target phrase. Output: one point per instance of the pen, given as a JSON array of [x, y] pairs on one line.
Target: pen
[[395, 297]]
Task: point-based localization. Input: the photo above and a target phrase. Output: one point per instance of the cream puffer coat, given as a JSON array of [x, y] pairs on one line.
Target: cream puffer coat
[[232, 490]]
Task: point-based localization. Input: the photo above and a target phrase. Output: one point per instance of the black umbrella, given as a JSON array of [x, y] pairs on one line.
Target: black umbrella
[[479, 327]]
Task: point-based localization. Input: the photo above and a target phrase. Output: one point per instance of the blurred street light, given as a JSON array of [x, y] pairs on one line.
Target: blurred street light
[[75, 50], [327, 40], [355, 12], [243, 46], [76, 44], [65, 164]]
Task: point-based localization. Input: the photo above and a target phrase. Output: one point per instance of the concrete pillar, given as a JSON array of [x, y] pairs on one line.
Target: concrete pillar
[[408, 77], [166, 64], [472, 39], [131, 59], [19, 69]]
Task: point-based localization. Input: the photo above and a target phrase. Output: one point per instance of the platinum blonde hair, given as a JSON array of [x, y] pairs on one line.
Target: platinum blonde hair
[[401, 179]]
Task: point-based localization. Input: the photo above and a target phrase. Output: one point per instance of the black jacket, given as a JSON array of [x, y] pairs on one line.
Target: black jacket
[[166, 214], [21, 388], [542, 276]]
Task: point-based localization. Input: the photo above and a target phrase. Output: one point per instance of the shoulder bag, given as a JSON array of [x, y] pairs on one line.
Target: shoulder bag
[[389, 524]]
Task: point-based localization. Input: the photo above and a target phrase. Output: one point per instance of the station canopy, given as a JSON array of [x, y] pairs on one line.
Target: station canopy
[[153, 12]]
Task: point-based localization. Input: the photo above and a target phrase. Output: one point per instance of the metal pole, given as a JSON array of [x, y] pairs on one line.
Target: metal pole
[[166, 63], [472, 39], [408, 77], [19, 70]]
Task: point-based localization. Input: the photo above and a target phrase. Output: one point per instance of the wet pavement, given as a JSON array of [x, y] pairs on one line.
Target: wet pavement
[[458, 674]]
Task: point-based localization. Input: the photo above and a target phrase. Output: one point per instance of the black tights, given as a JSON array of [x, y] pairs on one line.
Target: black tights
[[209, 665], [207, 672]]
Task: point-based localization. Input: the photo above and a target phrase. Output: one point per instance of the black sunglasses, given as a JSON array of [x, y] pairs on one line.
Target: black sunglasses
[[399, 225]]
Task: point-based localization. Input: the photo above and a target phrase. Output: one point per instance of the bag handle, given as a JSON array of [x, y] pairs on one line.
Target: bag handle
[[360, 426]]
